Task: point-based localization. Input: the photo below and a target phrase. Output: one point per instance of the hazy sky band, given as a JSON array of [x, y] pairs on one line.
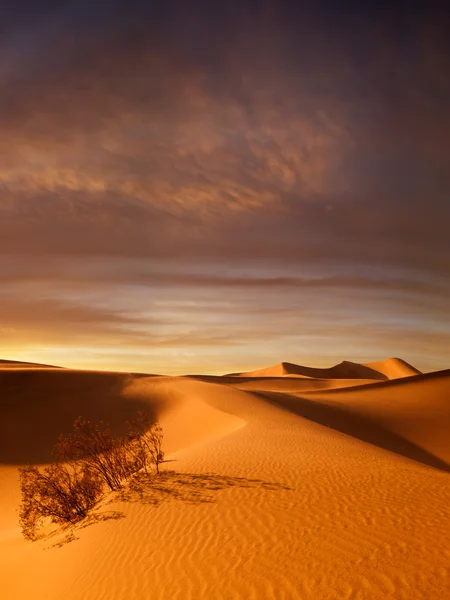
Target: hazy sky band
[[154, 153]]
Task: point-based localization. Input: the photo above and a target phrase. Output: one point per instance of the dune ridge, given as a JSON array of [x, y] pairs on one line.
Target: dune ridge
[[16, 364], [391, 368]]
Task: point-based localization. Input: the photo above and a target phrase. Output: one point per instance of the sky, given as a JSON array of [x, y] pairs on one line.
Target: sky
[[211, 187]]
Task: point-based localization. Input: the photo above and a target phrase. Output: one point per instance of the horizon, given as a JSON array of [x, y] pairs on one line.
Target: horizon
[[254, 368], [207, 189]]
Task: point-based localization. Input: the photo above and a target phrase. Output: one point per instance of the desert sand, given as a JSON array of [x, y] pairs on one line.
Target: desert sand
[[283, 483]]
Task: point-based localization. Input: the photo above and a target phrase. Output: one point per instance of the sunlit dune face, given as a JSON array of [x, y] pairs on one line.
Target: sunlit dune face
[[204, 194]]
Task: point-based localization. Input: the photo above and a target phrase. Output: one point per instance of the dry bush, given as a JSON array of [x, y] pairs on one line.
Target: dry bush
[[61, 493], [93, 445], [89, 459], [145, 441]]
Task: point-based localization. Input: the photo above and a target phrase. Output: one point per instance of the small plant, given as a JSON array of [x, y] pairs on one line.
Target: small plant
[[146, 438], [88, 460], [61, 493], [93, 445]]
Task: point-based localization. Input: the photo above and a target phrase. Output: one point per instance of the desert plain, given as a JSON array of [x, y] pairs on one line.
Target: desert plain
[[285, 483]]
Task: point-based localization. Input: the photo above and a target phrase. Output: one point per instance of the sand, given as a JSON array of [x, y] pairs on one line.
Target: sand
[[391, 368], [278, 485]]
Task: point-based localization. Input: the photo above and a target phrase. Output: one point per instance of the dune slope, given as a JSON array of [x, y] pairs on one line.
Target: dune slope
[[410, 416], [38, 404]]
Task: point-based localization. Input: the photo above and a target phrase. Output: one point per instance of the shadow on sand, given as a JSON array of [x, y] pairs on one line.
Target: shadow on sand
[[191, 488], [66, 534], [356, 425]]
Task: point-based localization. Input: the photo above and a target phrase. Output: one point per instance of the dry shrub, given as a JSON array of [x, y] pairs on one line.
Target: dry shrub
[[145, 441], [61, 493], [93, 445], [89, 460]]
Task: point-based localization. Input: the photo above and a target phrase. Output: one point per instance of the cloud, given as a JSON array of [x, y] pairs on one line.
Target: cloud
[[148, 122], [104, 271], [207, 157], [278, 157]]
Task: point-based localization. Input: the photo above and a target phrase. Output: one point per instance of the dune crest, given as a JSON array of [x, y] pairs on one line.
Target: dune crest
[[16, 364], [394, 368], [391, 368]]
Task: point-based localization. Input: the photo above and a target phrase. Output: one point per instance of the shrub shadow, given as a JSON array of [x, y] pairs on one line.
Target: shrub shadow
[[66, 534], [192, 488]]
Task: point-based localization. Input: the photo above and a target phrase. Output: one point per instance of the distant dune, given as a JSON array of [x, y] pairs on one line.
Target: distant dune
[[391, 368], [15, 364], [288, 482]]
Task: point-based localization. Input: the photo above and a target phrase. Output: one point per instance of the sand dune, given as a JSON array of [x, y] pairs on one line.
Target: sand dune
[[389, 369], [393, 368], [286, 488], [15, 364], [38, 405], [410, 416]]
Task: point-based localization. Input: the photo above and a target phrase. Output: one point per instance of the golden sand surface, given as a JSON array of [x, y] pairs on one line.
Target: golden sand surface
[[286, 483]]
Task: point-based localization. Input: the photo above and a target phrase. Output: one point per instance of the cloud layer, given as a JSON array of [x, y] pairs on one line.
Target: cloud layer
[[178, 186]]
